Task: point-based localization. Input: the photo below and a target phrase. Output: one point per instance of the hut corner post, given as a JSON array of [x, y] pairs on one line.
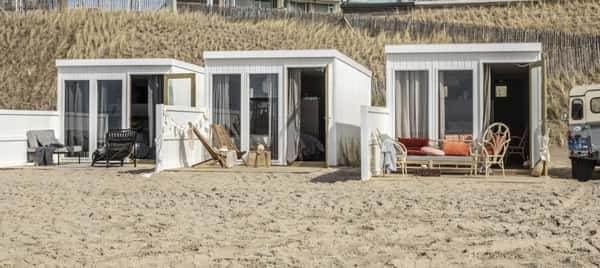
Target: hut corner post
[[172, 5]]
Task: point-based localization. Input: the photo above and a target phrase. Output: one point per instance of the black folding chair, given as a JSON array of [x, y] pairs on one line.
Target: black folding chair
[[119, 145]]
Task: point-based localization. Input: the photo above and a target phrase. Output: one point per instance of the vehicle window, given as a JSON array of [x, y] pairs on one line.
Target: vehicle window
[[577, 109], [595, 105]]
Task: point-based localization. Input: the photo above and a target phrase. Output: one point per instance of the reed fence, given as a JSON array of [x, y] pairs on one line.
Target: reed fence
[[129, 5], [563, 51]]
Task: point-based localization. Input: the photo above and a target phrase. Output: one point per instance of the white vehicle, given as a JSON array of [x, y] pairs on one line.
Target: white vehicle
[[584, 130]]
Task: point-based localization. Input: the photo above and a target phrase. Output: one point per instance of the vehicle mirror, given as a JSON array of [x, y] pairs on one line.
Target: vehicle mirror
[[564, 117]]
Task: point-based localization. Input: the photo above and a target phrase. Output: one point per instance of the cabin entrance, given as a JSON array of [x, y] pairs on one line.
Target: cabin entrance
[[306, 115], [510, 104], [146, 92]]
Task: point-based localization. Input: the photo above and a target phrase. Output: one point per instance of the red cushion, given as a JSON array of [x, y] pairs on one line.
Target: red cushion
[[456, 148], [414, 142]]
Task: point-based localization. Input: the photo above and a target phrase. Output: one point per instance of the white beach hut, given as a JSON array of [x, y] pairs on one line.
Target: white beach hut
[[434, 91], [97, 94], [302, 105]]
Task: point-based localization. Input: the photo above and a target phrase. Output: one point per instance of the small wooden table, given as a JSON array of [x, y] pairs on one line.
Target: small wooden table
[[259, 158]]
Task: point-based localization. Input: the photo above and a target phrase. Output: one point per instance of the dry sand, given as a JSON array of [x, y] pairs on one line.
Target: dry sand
[[293, 217]]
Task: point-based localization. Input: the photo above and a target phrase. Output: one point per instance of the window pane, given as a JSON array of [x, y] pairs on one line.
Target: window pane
[[412, 104], [263, 112], [595, 105], [109, 107], [77, 97], [227, 104], [180, 91], [577, 109], [456, 103]]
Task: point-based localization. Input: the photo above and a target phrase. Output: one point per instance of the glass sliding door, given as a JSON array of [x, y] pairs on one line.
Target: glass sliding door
[[77, 109], [456, 104], [227, 96], [264, 112], [110, 115], [411, 94]]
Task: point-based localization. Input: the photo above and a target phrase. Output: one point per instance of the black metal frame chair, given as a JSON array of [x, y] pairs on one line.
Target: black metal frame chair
[[119, 145]]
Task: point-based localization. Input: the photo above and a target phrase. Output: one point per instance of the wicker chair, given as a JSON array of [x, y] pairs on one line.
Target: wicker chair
[[401, 152], [493, 147], [119, 145]]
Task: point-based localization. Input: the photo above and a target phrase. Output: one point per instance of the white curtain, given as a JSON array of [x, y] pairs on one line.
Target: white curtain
[[224, 112], [103, 113], [77, 114], [293, 115], [412, 103], [155, 88], [487, 97], [270, 86], [109, 107]]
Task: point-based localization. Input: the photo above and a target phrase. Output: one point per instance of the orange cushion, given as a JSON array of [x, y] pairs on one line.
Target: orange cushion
[[456, 148], [432, 151]]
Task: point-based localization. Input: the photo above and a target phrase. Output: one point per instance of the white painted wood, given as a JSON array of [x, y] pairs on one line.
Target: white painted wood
[[464, 48], [372, 118], [347, 98], [435, 58], [286, 55], [13, 137], [177, 147], [94, 70], [535, 113], [438, 57], [135, 63], [349, 87]]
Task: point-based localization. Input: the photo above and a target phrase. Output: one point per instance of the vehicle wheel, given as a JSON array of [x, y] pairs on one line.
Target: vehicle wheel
[[582, 169]]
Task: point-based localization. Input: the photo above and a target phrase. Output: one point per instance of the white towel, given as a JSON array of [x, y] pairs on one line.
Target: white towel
[[389, 155]]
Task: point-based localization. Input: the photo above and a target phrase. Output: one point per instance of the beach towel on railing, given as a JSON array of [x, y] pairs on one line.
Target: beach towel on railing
[[388, 150]]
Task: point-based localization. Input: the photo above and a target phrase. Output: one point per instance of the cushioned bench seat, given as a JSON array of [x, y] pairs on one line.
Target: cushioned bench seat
[[64, 150], [445, 158], [40, 138]]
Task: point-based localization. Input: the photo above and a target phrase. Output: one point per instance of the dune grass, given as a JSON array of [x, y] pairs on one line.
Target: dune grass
[[30, 44], [579, 16]]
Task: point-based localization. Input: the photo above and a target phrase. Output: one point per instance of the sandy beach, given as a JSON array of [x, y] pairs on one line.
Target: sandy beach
[[293, 217]]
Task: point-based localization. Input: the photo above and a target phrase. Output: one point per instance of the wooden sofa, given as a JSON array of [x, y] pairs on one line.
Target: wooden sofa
[[416, 159]]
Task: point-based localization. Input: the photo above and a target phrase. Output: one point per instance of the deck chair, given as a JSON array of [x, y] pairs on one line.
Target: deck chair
[[518, 146], [222, 139], [214, 152], [119, 145], [494, 145], [401, 153]]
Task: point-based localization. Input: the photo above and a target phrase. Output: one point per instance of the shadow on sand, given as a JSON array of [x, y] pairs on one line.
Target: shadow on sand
[[338, 175], [137, 171]]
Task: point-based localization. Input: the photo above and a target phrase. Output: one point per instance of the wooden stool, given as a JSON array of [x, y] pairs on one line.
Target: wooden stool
[[259, 158]]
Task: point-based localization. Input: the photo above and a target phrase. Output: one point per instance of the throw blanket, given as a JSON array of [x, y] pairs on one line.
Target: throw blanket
[[44, 154], [388, 150], [309, 145]]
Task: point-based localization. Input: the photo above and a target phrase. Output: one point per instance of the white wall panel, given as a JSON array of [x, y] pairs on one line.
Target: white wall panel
[[13, 137], [372, 119], [177, 146], [352, 90]]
